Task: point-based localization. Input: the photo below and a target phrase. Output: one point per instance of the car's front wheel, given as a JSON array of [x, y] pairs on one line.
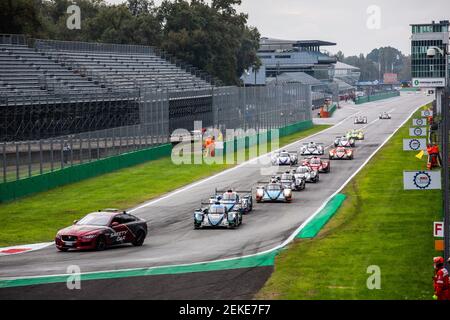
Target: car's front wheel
[[100, 244], [139, 240]]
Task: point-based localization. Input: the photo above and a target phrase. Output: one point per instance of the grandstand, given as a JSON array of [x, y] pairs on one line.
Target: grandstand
[[72, 87]]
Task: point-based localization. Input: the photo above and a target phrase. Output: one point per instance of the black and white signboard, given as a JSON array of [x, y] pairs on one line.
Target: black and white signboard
[[414, 144], [422, 180], [418, 132], [427, 113], [420, 122]]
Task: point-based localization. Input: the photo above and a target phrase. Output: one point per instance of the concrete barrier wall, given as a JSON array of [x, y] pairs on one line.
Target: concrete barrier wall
[[376, 97]]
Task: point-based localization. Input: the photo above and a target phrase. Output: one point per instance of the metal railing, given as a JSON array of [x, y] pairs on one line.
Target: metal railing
[[89, 127]]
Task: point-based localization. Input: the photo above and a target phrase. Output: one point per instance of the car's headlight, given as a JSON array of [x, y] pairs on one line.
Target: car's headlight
[[89, 237], [58, 236]]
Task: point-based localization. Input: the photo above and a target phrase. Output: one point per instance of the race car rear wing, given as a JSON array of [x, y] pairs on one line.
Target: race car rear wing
[[218, 191]]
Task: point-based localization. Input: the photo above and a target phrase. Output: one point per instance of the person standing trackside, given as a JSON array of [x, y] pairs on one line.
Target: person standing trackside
[[441, 280]]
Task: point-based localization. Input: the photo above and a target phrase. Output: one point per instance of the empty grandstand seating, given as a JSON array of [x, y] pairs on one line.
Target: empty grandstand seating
[[46, 72]]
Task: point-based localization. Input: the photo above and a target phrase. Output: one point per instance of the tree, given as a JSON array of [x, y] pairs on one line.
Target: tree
[[20, 16]]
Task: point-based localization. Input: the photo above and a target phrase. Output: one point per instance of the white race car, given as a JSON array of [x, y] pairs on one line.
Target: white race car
[[385, 116], [360, 120], [285, 158], [344, 142], [312, 149]]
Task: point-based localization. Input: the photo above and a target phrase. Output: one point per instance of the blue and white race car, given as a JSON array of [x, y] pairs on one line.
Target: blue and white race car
[[273, 191], [234, 200], [217, 215], [285, 158]]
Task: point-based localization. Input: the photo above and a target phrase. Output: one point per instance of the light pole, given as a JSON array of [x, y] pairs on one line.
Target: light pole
[[445, 126]]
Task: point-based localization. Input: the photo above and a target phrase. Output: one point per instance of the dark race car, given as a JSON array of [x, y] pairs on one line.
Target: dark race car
[[318, 164], [290, 181], [234, 200], [99, 230]]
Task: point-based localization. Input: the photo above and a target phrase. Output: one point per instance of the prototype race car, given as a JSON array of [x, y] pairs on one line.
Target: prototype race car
[[289, 180], [305, 172], [341, 153], [285, 158], [360, 120], [318, 164], [217, 215], [234, 200], [273, 192], [355, 134], [344, 142], [102, 229], [311, 149], [385, 116]]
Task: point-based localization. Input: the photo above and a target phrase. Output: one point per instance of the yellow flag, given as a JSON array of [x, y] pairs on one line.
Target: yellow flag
[[420, 155]]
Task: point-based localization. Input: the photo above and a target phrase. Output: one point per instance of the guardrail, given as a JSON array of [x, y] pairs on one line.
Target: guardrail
[[376, 97], [13, 39], [20, 188]]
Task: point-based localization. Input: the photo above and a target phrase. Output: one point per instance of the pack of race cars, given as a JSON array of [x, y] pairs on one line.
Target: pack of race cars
[[225, 208]]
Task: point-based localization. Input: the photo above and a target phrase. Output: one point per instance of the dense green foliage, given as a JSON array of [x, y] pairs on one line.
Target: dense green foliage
[[378, 62], [212, 37]]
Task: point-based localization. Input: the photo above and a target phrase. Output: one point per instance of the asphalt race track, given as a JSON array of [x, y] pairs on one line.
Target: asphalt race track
[[172, 238]]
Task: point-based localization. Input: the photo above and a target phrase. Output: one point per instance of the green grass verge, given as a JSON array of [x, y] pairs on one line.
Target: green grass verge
[[38, 217], [379, 224]]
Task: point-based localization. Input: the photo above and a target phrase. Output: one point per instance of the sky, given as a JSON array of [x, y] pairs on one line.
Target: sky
[[357, 26]]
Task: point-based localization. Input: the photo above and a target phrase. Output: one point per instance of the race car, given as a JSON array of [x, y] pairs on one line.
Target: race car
[[217, 215], [102, 229], [355, 134], [289, 180], [344, 142], [311, 149], [385, 116], [341, 153], [318, 164], [285, 158], [234, 200], [360, 120], [306, 173], [273, 191]]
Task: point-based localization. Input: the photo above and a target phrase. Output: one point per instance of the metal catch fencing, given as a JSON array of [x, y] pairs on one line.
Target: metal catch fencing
[[50, 135]]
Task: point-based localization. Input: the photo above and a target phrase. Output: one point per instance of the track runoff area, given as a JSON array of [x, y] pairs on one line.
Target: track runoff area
[[172, 240]]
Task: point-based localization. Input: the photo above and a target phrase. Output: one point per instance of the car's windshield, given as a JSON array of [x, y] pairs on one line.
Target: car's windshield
[[217, 209], [273, 187], [315, 161], [284, 154], [95, 219], [229, 196], [286, 177]]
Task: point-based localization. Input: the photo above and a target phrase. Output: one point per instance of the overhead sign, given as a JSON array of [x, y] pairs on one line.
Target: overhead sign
[[438, 230], [420, 122], [427, 113], [414, 144], [418, 132], [428, 82], [422, 180]]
